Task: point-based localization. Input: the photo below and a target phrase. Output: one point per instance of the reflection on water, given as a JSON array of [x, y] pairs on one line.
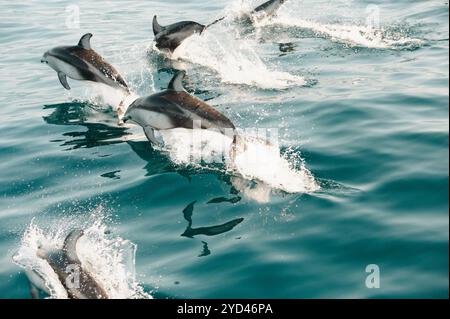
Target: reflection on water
[[205, 251], [112, 175], [206, 231], [101, 129], [75, 114]]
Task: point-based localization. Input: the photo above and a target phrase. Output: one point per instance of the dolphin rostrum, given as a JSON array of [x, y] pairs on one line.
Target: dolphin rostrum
[[171, 36], [176, 108], [78, 283], [81, 62]]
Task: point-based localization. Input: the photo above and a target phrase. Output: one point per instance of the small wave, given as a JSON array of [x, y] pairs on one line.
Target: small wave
[[111, 261]]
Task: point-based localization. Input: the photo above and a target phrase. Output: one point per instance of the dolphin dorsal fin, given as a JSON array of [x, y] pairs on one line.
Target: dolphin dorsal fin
[[157, 28], [176, 84], [85, 41], [70, 244]]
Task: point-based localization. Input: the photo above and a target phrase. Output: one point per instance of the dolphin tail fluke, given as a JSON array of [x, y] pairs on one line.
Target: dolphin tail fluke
[[157, 28], [121, 108], [213, 23], [70, 244]]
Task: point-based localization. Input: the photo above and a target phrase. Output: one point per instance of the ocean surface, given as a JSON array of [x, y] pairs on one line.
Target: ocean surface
[[356, 90]]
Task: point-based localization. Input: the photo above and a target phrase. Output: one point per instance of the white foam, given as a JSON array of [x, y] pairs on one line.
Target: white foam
[[111, 261], [101, 95], [258, 162], [357, 35], [235, 60], [265, 163]]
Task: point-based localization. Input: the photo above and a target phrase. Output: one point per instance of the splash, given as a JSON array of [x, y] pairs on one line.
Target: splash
[[351, 34], [101, 95], [235, 60], [111, 261], [354, 35], [265, 163], [260, 162]]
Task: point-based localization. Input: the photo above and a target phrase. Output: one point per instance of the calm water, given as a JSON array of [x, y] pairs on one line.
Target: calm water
[[365, 111]]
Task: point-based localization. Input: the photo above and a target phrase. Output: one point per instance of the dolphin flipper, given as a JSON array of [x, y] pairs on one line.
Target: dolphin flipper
[[150, 133], [63, 79], [85, 41], [157, 28], [70, 245], [176, 84]]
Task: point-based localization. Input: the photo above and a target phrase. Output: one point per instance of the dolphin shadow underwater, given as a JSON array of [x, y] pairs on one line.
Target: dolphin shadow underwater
[[215, 230], [66, 264], [169, 38]]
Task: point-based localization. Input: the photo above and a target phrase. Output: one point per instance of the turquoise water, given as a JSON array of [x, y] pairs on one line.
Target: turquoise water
[[364, 111]]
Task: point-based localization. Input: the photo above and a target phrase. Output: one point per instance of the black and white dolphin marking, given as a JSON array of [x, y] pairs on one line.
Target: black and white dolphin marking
[[81, 62], [176, 108], [65, 263], [170, 37]]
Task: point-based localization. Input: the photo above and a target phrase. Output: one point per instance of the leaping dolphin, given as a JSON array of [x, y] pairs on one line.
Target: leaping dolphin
[[176, 108], [171, 36], [81, 62], [65, 263]]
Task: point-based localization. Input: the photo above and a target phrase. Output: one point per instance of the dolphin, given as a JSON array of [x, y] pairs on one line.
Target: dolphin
[[81, 62], [168, 38], [171, 36], [176, 108], [65, 263]]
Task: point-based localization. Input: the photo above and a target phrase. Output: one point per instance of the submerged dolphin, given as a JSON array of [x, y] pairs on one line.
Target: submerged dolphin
[[81, 62], [171, 36], [176, 108], [67, 266]]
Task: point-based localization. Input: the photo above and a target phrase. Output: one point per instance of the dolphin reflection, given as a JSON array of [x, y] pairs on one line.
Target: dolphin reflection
[[207, 231], [97, 134]]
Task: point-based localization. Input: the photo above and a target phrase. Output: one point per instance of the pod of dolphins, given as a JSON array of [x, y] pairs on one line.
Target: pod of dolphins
[[168, 109]]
